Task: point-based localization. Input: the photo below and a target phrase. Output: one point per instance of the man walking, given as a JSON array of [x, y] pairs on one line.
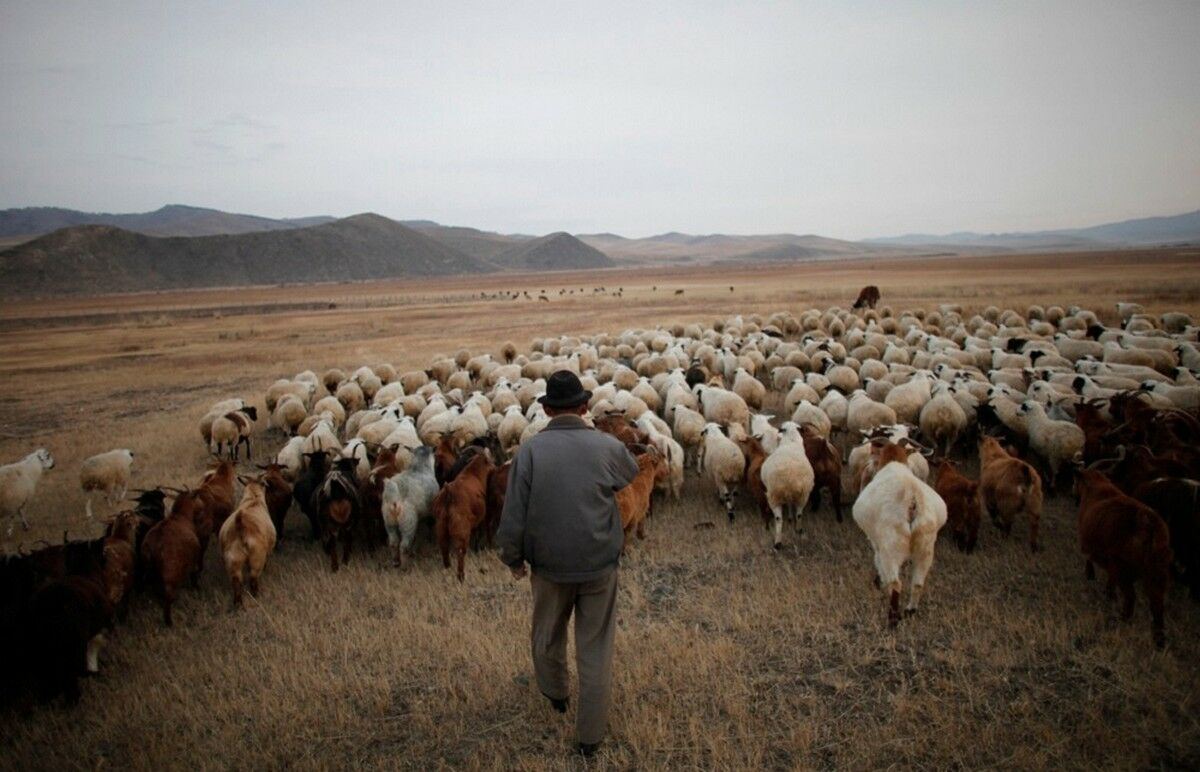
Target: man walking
[[561, 517]]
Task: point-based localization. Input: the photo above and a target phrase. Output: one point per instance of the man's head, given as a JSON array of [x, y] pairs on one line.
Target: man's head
[[564, 395]]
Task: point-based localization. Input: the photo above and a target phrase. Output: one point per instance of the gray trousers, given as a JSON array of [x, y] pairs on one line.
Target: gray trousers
[[594, 606]]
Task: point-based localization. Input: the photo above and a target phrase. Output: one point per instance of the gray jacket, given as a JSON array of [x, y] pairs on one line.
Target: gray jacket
[[560, 512]]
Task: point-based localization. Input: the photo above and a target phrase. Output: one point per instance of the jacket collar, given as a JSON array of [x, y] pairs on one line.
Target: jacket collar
[[566, 422]]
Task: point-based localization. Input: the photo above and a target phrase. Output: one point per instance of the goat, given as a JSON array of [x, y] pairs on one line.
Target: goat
[[461, 507]]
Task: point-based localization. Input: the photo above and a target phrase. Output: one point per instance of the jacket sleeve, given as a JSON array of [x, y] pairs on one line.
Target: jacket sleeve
[[622, 465], [510, 536]]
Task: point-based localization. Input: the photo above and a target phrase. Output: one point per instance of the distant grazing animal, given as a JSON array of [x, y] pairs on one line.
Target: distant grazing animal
[[678, 292], [868, 296]]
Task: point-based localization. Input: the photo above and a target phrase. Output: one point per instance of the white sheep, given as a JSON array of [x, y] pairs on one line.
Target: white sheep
[[357, 450], [668, 448], [808, 414], [864, 414], [722, 407], [511, 426], [1057, 442], [725, 464], [288, 414], [291, 458], [942, 419], [233, 429], [749, 388], [901, 517], [109, 472], [18, 481], [788, 479], [687, 427], [762, 430], [322, 438]]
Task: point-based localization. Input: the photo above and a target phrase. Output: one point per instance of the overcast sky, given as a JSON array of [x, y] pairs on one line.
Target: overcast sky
[[841, 118]]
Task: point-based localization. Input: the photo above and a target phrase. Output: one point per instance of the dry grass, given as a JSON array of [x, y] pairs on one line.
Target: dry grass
[[729, 655]]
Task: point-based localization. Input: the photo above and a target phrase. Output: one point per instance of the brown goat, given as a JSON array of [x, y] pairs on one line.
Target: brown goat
[[961, 495], [279, 495], [120, 560], [868, 296], [461, 507], [445, 453], [1007, 487], [827, 469], [1177, 501], [634, 499], [171, 550], [497, 490], [752, 477], [1094, 425], [1128, 540], [218, 498], [66, 623], [622, 428], [247, 538]]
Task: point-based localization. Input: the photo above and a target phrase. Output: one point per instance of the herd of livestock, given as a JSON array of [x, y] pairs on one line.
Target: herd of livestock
[[883, 409]]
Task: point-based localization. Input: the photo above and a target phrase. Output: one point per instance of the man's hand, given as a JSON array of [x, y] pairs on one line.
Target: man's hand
[[519, 572]]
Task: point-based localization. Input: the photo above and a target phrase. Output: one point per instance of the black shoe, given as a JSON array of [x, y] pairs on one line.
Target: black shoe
[[559, 705], [588, 750]]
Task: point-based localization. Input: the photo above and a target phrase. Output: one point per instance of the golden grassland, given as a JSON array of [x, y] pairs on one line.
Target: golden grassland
[[729, 655]]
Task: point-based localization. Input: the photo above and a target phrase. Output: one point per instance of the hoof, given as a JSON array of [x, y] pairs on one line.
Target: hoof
[[778, 546]]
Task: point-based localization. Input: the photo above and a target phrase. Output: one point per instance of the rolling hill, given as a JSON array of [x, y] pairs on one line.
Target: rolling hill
[[170, 220], [483, 245], [99, 258], [1145, 231], [555, 252]]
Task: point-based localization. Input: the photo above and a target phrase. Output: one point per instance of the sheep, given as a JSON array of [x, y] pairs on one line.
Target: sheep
[[351, 395], [688, 429], [672, 452], [808, 414], [749, 388], [357, 450], [901, 517], [18, 481], [288, 414], [722, 407], [788, 478], [908, 398], [725, 464], [247, 537], [407, 498], [864, 414], [233, 429], [1057, 442], [291, 458], [1175, 322], [1126, 310], [942, 419], [1007, 487], [108, 472], [762, 430], [1182, 397], [216, 411]]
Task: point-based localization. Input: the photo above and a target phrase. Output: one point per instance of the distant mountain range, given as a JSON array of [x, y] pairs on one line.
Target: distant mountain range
[[1146, 231], [62, 251], [170, 220]]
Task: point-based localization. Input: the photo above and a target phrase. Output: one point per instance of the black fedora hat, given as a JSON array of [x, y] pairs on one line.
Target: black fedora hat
[[563, 389]]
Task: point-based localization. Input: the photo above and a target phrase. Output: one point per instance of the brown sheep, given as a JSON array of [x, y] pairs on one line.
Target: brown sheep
[[247, 537], [1128, 540], [755, 456], [460, 508], [1008, 487], [961, 495], [171, 550]]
